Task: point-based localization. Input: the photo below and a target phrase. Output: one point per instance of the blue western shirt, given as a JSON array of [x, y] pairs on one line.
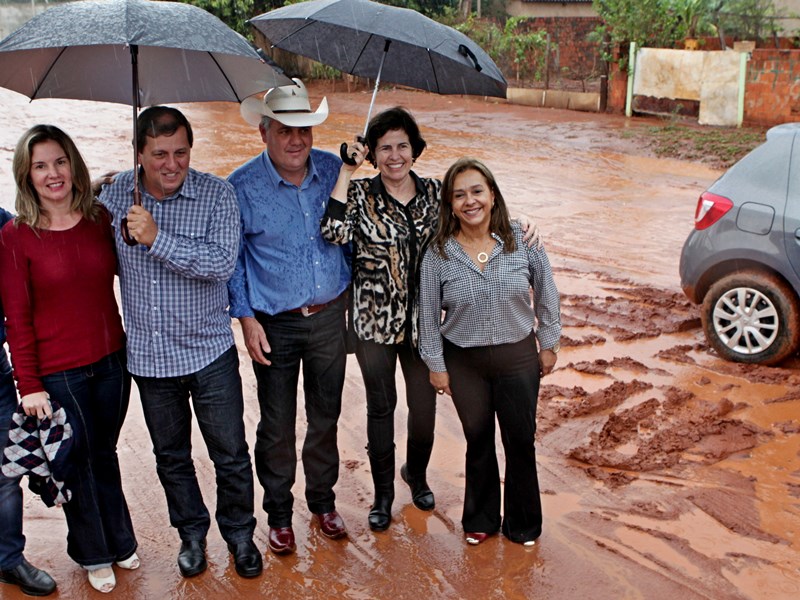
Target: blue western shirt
[[284, 263], [174, 295]]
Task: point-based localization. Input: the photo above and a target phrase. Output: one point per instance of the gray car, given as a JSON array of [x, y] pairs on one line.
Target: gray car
[[742, 261]]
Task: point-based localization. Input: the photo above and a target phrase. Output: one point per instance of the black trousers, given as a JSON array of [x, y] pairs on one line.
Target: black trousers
[[378, 363], [317, 345], [499, 382]]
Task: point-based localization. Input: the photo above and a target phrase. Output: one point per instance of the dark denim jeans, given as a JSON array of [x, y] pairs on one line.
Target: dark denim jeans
[[498, 381], [216, 396], [12, 542], [378, 363], [318, 342], [95, 398]]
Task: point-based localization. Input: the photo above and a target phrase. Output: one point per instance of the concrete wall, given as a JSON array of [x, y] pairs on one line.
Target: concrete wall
[[772, 87], [712, 78], [583, 101]]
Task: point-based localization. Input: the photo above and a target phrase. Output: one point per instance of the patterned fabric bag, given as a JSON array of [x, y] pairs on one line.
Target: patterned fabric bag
[[39, 449]]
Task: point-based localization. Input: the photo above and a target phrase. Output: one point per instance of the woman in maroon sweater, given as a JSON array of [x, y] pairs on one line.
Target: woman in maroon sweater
[[65, 334]]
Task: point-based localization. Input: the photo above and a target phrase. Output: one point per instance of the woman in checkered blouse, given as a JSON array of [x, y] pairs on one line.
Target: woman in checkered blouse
[[484, 351]]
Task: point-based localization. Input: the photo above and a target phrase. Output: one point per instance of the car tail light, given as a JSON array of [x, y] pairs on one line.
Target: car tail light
[[710, 209]]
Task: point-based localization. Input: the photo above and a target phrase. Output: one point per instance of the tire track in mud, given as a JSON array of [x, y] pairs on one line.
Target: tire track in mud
[[662, 427]]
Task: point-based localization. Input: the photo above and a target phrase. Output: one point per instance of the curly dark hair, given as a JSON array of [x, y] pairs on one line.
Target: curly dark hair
[[390, 120]]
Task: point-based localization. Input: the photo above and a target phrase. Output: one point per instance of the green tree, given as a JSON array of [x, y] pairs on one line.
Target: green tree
[[694, 17], [747, 19], [526, 49], [651, 23], [515, 48], [233, 13]]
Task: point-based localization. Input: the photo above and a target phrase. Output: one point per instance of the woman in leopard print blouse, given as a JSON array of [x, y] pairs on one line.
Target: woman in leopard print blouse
[[390, 219]]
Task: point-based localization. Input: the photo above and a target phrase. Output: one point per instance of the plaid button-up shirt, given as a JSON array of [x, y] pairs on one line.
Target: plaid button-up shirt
[[174, 295]]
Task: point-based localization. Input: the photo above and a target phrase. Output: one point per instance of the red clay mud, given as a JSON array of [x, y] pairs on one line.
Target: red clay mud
[[666, 472]]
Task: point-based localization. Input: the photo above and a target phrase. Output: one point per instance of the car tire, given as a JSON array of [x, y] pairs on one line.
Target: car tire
[[736, 333]]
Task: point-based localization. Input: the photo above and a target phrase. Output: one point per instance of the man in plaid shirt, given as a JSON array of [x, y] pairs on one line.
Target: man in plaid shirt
[[180, 343]]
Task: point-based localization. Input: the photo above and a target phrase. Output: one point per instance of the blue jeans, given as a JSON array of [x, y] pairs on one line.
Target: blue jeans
[[95, 398], [216, 396], [318, 342], [12, 542]]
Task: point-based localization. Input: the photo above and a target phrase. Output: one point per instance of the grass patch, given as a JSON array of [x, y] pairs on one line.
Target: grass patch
[[720, 147]]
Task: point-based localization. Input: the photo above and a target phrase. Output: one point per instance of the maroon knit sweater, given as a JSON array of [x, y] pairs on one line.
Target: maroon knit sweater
[[58, 294]]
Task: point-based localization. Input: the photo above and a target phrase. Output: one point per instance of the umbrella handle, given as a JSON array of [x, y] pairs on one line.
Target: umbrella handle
[[350, 159], [123, 224], [467, 53], [125, 233]]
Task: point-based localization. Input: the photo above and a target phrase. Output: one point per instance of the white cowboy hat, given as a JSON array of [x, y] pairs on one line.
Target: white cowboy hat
[[287, 104]]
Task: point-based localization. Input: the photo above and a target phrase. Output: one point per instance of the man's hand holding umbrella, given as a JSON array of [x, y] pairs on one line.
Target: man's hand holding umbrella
[[141, 225]]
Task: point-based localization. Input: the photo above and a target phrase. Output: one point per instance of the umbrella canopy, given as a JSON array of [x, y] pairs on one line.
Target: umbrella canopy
[[373, 40], [83, 50], [135, 52], [351, 36]]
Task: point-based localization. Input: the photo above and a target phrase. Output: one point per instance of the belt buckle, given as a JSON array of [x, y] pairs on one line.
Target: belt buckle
[[304, 311]]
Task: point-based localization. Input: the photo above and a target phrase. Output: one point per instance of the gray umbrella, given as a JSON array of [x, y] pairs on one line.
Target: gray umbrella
[[136, 52], [377, 41]]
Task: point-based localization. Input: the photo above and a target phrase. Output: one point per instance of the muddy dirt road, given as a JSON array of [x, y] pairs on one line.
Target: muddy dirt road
[[665, 471]]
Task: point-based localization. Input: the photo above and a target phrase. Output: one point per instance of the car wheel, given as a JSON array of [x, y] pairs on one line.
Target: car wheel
[[752, 317]]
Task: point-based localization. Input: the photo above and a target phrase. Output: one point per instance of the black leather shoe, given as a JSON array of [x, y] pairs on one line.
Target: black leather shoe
[[380, 516], [421, 494], [192, 558], [246, 558], [31, 581]]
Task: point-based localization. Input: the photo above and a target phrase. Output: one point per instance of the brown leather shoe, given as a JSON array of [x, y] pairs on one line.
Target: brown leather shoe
[[331, 525], [281, 540]]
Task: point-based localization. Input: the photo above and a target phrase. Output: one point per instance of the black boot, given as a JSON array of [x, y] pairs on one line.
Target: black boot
[[383, 478], [413, 473]]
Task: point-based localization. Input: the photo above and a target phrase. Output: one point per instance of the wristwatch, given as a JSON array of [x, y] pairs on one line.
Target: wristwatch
[[556, 348]]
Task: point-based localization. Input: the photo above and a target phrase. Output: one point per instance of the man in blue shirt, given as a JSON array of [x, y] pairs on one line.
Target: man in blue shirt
[[288, 291], [180, 342], [13, 566]]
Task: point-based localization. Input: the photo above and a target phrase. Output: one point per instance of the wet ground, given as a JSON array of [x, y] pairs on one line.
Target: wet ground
[[665, 471]]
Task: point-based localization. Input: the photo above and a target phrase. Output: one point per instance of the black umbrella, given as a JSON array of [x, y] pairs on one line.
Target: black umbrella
[[373, 40], [136, 52]]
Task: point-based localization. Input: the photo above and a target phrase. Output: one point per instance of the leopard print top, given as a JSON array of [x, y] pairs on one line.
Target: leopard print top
[[389, 240]]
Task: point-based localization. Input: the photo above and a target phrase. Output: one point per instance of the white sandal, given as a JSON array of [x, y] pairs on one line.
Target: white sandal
[[131, 563], [102, 584]]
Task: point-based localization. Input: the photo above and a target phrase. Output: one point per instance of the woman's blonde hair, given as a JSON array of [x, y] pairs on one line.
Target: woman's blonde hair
[[449, 225], [28, 206]]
